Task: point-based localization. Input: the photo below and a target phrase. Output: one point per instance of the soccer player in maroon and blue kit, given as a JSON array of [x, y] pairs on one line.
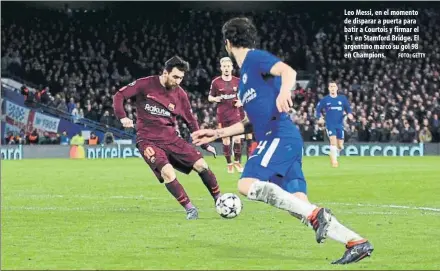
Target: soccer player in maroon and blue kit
[[159, 100]]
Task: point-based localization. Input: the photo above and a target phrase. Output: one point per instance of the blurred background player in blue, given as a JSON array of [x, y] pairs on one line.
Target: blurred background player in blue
[[335, 107]]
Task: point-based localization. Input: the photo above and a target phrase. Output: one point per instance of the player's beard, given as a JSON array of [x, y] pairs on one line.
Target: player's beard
[[169, 86]]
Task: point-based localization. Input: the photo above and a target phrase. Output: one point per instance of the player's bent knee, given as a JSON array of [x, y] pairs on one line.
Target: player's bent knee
[[296, 187], [333, 140], [168, 174], [245, 184], [237, 139], [226, 141], [200, 165], [301, 196]]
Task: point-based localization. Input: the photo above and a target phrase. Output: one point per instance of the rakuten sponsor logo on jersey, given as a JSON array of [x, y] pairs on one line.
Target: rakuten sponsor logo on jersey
[[157, 111], [228, 96], [249, 95]]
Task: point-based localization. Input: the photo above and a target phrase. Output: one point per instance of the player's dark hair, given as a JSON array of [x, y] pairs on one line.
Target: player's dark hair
[[176, 62], [240, 32], [332, 82]]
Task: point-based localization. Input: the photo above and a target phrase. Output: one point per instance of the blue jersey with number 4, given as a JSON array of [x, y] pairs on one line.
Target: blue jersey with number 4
[[334, 110], [278, 155], [258, 91]]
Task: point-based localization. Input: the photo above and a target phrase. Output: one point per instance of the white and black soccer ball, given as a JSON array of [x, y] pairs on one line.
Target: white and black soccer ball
[[228, 205]]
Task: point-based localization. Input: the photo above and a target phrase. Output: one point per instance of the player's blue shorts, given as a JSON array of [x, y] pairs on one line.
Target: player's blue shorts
[[338, 132], [278, 160]]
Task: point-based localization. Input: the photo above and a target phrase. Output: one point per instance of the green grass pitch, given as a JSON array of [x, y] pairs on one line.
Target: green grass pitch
[[113, 214]]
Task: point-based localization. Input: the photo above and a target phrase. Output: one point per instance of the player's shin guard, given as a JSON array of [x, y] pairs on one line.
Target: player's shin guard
[[274, 195], [177, 190], [210, 182], [227, 153], [237, 152]]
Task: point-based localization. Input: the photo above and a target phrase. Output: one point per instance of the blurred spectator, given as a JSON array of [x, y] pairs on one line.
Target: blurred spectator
[[91, 114], [363, 131], [374, 133], [407, 134], [395, 135], [64, 139], [317, 133], [85, 66], [109, 138], [384, 132], [43, 96], [307, 133], [21, 138], [435, 128], [75, 114], [352, 134], [425, 135], [62, 106], [77, 140], [46, 139], [106, 119], [71, 105], [33, 138], [29, 96], [93, 140], [10, 139]]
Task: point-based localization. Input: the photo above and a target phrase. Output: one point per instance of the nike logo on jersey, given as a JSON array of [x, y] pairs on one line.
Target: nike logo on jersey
[[150, 96], [252, 156]]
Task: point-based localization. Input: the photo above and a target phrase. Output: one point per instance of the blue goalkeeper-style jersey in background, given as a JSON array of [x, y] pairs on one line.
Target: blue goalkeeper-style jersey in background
[[278, 157]]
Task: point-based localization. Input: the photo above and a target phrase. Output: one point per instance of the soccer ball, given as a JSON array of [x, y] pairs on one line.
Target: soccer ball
[[228, 205]]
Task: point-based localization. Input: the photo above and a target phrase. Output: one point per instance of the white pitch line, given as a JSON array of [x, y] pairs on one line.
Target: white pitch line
[[176, 210], [142, 197], [384, 206]]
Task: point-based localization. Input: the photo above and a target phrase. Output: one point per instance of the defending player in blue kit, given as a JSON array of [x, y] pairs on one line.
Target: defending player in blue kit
[[336, 107], [273, 173]]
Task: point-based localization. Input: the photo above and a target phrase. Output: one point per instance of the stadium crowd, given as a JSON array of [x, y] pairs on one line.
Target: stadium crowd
[[83, 60], [36, 137]]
